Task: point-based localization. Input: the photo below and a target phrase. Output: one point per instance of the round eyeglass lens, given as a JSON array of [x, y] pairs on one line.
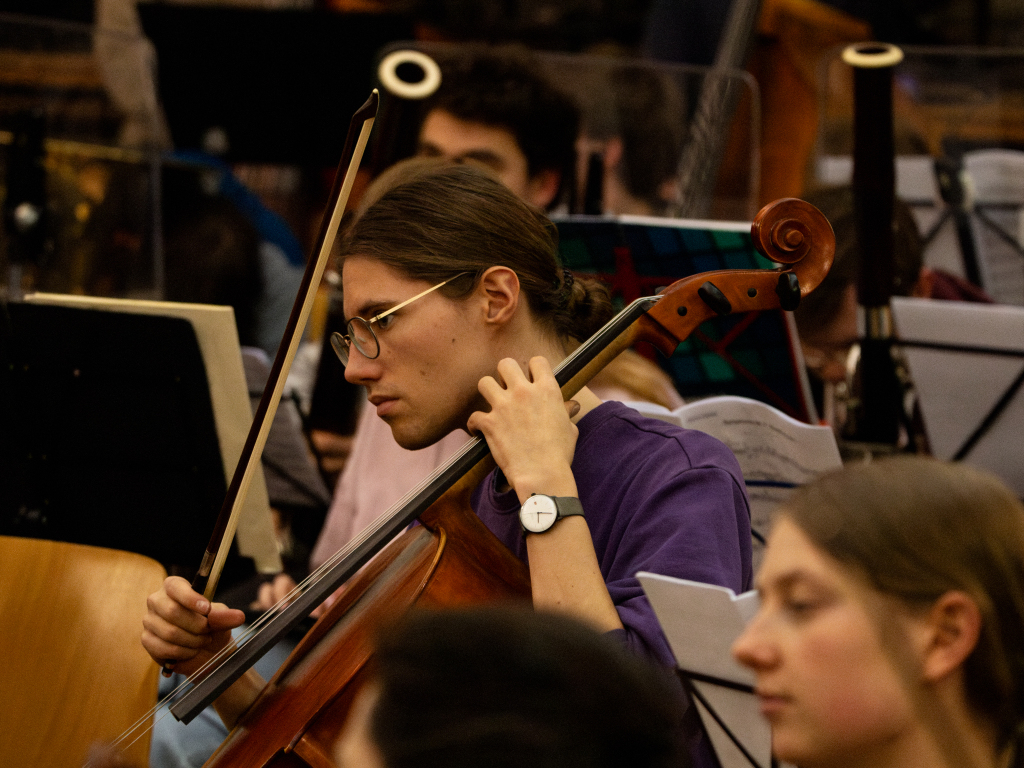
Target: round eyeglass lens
[[340, 346], [363, 337], [359, 333]]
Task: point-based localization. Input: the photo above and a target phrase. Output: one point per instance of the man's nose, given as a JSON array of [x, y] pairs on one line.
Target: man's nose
[[360, 368]]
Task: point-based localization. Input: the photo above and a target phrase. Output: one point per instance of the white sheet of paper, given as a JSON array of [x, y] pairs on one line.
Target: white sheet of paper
[[957, 390], [701, 621], [996, 182]]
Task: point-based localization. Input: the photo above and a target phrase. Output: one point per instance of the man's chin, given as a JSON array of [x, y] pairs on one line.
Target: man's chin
[[413, 437], [410, 438], [415, 445]]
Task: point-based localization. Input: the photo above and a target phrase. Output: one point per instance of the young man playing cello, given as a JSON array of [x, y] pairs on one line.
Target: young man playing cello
[[482, 312]]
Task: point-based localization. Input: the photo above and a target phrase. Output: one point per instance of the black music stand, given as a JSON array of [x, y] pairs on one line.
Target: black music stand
[[700, 622], [108, 435], [967, 364]]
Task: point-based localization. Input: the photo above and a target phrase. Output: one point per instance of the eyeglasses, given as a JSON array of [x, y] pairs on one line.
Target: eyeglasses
[[360, 334]]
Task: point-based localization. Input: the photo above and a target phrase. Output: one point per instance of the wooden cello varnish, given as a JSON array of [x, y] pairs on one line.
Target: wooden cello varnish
[[451, 559]]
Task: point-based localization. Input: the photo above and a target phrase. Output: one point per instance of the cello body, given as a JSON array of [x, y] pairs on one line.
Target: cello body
[[451, 559]]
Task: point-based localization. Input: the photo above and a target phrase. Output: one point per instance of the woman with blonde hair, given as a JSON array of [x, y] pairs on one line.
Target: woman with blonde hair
[[891, 626]]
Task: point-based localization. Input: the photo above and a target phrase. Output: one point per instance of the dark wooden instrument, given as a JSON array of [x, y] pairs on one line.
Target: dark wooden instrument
[[877, 415], [452, 558]]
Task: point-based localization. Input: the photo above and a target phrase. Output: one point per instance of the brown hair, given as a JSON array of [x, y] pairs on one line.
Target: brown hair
[[459, 218], [505, 87], [639, 378], [917, 528]]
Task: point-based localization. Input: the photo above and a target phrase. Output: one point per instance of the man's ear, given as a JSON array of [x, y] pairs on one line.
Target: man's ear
[[542, 188], [499, 294], [953, 627]]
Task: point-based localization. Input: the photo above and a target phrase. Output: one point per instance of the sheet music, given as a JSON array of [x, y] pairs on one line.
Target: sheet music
[[957, 390], [917, 186], [915, 176], [996, 181], [753, 355]]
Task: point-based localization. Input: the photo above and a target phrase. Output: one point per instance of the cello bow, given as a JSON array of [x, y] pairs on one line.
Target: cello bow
[[788, 231], [217, 549]]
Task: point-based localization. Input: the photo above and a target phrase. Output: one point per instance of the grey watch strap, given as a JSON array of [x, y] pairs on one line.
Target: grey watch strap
[[568, 506], [564, 506]]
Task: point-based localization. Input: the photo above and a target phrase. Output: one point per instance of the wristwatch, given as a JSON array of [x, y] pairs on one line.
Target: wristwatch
[[540, 512]]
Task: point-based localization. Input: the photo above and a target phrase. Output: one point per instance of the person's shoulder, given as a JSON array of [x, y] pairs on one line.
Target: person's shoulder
[[614, 425]]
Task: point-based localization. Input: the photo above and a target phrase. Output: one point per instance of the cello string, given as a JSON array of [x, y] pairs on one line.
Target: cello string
[[375, 527], [252, 631], [149, 720], [254, 628], [139, 725]]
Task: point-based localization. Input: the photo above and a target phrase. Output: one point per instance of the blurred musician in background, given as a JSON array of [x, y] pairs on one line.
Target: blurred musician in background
[[827, 318], [495, 108], [633, 138]]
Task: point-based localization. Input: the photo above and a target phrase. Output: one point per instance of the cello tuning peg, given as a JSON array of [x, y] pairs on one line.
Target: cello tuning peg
[[788, 291], [714, 298]]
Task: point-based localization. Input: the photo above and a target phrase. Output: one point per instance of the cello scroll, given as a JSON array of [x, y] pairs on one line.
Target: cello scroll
[[788, 231]]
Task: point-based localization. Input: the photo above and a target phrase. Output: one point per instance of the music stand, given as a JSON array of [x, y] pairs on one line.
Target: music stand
[[953, 348], [700, 622], [121, 422]]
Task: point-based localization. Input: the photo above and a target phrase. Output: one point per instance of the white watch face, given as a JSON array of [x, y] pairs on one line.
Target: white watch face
[[538, 513]]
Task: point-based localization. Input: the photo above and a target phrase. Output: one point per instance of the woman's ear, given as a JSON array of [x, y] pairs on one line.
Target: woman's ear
[[953, 627], [498, 291]]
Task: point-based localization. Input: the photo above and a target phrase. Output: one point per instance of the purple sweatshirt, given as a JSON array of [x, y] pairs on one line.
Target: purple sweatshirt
[[657, 498]]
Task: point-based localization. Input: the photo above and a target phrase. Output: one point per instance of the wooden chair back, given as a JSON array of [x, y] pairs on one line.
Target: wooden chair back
[[75, 672]]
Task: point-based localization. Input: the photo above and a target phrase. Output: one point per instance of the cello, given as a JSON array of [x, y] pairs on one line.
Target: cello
[[452, 558]]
